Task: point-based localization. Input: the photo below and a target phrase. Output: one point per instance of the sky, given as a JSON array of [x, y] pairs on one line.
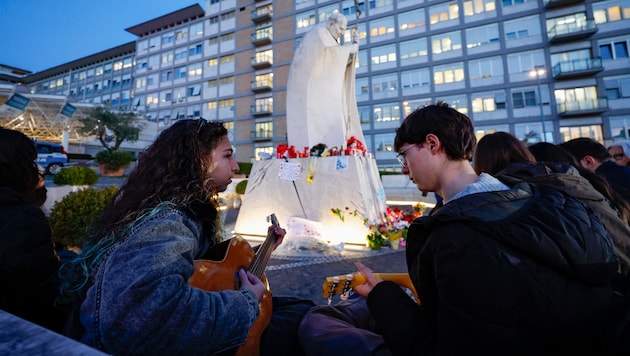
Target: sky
[[39, 34]]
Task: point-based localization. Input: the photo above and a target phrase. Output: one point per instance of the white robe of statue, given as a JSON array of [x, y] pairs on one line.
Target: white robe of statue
[[321, 101]]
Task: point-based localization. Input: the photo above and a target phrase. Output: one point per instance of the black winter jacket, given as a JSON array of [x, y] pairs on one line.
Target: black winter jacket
[[28, 262], [521, 271]]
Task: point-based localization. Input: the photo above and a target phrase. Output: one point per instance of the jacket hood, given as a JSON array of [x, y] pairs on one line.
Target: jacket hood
[[538, 221]]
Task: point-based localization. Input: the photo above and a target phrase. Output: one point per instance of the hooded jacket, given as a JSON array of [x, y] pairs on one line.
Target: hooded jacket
[[521, 271]]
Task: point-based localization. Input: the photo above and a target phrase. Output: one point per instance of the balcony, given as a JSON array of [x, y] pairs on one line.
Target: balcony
[[262, 14], [572, 31], [262, 61], [261, 109], [551, 4], [584, 107], [261, 135], [259, 86], [261, 38], [577, 68]]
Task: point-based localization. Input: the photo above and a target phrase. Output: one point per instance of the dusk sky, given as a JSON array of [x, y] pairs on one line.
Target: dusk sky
[[40, 34]]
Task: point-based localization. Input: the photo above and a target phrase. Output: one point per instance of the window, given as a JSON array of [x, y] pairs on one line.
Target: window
[[485, 68], [473, 7], [180, 72], [227, 37], [194, 90], [415, 78], [443, 12], [196, 30], [386, 115], [383, 28], [181, 34], [228, 16], [383, 55], [522, 27], [523, 98], [227, 59], [212, 105], [263, 32], [166, 76], [212, 83], [324, 12], [507, 3], [411, 22], [264, 56], [610, 11], [613, 50], [449, 73], [567, 24], [488, 101], [446, 42], [483, 35], [349, 8], [592, 131], [377, 4], [413, 49], [195, 49], [167, 58], [213, 62], [168, 38], [194, 70], [304, 21], [385, 84], [524, 62], [226, 81], [617, 87]]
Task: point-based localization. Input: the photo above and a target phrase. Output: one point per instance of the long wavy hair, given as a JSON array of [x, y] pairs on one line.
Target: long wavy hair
[[172, 170]]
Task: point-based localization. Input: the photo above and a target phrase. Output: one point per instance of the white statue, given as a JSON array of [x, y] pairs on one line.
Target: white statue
[[321, 100]]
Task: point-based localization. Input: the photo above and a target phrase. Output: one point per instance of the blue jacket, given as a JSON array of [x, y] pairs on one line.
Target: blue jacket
[[140, 301]]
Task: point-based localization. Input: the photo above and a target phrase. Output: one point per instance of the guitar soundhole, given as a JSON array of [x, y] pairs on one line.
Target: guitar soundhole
[[217, 252]]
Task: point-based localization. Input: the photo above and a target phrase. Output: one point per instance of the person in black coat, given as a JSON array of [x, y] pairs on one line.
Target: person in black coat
[[522, 269], [28, 262]]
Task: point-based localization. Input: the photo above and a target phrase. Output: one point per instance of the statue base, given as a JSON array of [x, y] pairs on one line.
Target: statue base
[[303, 206]]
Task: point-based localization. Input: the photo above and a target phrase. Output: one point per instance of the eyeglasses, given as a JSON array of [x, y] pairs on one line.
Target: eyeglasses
[[401, 157], [618, 156], [208, 129]]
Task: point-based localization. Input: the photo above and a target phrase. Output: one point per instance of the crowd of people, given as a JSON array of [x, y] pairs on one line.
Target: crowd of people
[[527, 252]]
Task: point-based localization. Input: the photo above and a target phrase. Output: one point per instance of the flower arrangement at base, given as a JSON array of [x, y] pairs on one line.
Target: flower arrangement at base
[[392, 231]]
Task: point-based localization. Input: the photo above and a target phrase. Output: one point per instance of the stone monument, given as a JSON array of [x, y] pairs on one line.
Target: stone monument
[[301, 191]]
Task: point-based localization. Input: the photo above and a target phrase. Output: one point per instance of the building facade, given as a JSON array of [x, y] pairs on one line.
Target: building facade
[[555, 66]]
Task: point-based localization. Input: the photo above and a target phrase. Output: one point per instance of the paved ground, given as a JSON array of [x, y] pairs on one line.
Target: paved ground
[[302, 274]]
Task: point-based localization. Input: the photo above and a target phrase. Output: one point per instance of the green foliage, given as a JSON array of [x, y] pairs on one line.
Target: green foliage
[[103, 123], [76, 175], [244, 168], [241, 187], [71, 217], [113, 159]]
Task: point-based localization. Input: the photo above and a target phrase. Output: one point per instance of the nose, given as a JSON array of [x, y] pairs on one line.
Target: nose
[[235, 166], [405, 170]]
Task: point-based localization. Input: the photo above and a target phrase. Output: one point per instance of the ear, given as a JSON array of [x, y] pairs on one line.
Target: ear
[[589, 163], [433, 142]]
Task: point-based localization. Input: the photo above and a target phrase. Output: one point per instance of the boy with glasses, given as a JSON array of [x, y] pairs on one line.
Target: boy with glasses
[[499, 270]]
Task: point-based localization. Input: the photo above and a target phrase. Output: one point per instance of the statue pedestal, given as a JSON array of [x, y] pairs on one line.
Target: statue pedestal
[[339, 182]]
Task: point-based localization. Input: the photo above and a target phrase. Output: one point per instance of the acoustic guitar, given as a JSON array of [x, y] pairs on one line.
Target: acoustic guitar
[[219, 271], [343, 285]]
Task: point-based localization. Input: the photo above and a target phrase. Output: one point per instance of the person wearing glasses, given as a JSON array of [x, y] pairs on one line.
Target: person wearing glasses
[[501, 270], [129, 285], [620, 152], [28, 261]]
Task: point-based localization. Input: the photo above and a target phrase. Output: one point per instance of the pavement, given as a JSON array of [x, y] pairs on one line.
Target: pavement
[[303, 273]]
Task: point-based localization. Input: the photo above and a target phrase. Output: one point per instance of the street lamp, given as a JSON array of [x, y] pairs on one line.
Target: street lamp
[[538, 72]]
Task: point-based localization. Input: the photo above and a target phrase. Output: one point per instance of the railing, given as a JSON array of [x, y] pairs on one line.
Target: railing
[[576, 67], [572, 30], [583, 107], [261, 134], [261, 109]]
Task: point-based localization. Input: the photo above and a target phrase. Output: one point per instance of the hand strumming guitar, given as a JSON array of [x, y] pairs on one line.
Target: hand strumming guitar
[[253, 283], [370, 280]]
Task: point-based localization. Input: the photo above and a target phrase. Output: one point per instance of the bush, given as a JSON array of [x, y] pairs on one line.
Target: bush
[[71, 217], [244, 168], [114, 160], [241, 187], [76, 175]]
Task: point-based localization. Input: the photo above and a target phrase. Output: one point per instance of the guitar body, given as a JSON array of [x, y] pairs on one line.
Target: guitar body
[[220, 273]]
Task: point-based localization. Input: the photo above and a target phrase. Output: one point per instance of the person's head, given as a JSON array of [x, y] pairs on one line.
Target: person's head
[[589, 153], [548, 152], [190, 162], [18, 169], [498, 150], [429, 132], [620, 152], [337, 24]]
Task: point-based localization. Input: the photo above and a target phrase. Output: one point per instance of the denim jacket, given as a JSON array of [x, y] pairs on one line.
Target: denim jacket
[[141, 302]]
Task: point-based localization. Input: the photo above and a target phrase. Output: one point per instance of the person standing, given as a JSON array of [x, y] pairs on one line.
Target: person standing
[[28, 262], [499, 270], [130, 281]]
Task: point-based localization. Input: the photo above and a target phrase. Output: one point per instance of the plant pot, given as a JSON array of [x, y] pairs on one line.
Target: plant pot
[[111, 173], [394, 244]]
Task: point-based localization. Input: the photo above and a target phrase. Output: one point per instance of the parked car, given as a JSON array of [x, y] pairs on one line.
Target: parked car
[[51, 156]]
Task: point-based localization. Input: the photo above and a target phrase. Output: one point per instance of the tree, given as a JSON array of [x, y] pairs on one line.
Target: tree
[[100, 122]]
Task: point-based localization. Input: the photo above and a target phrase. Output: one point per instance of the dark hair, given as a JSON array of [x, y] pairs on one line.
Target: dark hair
[[172, 170], [18, 169], [548, 152], [583, 146], [498, 150], [454, 129]]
